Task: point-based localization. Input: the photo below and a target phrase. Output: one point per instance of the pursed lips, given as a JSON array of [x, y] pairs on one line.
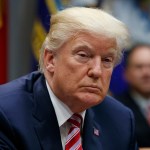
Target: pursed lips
[[92, 88]]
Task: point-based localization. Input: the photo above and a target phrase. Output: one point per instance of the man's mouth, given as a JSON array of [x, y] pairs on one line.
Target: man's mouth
[[92, 88]]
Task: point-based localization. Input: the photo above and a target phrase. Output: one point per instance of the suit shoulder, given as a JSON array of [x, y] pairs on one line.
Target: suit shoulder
[[112, 105], [19, 92], [115, 103], [24, 83], [116, 120], [112, 111]]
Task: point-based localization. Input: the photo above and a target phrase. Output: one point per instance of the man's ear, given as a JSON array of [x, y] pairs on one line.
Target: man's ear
[[49, 60]]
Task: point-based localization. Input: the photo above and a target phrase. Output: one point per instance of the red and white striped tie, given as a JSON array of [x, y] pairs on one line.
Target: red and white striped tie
[[73, 141]]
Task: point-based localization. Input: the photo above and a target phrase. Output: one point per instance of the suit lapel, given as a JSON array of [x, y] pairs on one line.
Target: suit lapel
[[91, 133], [46, 125], [138, 113]]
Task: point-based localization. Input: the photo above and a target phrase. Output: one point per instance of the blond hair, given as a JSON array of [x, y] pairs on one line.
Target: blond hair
[[71, 21]]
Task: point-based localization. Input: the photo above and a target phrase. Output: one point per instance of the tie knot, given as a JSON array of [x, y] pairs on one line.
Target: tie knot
[[76, 120]]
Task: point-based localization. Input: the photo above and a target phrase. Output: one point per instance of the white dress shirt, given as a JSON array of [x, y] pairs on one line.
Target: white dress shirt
[[63, 113], [141, 102]]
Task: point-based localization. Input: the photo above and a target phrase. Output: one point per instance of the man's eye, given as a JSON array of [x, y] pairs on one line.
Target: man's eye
[[108, 62], [83, 54]]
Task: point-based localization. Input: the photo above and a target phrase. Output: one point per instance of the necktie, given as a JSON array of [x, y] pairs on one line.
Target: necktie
[[73, 141], [148, 113]]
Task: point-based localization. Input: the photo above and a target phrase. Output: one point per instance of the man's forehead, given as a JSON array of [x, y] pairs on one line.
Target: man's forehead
[[87, 40]]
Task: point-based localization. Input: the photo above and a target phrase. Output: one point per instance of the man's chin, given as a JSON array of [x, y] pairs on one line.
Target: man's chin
[[91, 99]]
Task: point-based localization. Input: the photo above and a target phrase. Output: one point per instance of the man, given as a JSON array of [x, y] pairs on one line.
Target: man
[[137, 74], [52, 109]]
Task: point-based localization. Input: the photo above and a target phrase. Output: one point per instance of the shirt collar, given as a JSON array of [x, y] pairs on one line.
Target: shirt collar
[[140, 101], [62, 111]]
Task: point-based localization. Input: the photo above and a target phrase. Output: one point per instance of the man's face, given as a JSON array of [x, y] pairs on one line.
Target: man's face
[[82, 70], [138, 71]]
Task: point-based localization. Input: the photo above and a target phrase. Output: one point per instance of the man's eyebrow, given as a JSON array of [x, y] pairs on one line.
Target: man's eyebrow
[[112, 51], [83, 45]]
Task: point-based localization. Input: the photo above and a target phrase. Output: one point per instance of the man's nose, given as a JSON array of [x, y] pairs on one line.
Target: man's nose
[[146, 69], [95, 68]]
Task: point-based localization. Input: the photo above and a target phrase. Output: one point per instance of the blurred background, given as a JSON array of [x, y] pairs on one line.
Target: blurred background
[[24, 24]]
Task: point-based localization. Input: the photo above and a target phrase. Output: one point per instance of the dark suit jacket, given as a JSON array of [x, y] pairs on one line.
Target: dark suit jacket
[[28, 120], [142, 127]]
